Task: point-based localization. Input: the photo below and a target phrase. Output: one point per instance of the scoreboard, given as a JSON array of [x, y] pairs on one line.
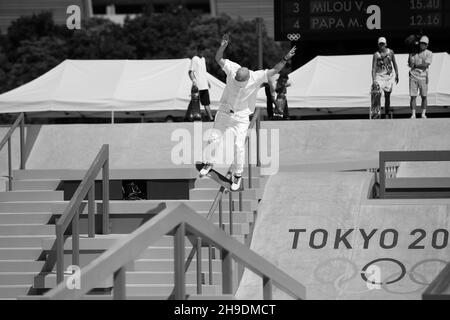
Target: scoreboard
[[311, 19]]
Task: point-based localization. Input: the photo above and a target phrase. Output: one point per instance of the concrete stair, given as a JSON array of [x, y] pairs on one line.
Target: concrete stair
[[257, 182], [39, 195], [210, 193], [25, 218], [76, 174], [27, 233], [34, 185], [120, 206], [22, 231], [132, 278]]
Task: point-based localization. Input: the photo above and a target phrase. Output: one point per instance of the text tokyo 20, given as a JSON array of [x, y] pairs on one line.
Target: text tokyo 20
[[386, 239]]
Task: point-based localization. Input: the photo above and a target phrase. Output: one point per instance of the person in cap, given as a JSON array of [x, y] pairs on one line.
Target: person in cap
[[383, 66], [419, 76], [236, 105]]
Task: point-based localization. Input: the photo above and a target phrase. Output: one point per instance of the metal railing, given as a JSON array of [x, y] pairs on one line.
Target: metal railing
[[437, 187], [71, 214], [439, 289], [180, 221], [20, 121], [217, 203]]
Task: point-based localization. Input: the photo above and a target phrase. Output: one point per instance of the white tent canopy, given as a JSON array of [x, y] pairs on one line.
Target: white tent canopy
[[344, 82], [109, 85]]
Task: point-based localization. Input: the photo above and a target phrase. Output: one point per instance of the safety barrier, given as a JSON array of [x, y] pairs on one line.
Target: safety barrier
[[71, 214], [180, 221], [20, 121], [418, 188]]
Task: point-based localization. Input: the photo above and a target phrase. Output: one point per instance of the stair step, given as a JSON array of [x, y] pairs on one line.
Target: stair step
[[238, 216], [215, 297], [166, 290], [119, 206], [210, 194], [132, 278], [17, 278], [166, 253], [34, 185], [31, 206], [22, 241], [145, 277], [27, 229], [20, 265], [13, 291], [20, 253], [10, 196], [190, 297], [25, 218], [78, 174], [168, 265], [211, 184]]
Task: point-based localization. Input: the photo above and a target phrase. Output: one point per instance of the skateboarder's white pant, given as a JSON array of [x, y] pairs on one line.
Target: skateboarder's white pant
[[229, 125]]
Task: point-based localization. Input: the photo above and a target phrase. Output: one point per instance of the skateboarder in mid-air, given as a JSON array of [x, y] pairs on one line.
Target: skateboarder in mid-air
[[382, 74], [236, 105]]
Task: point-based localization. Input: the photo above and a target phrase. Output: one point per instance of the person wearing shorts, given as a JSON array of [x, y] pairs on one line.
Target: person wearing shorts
[[419, 76], [199, 77], [383, 75]]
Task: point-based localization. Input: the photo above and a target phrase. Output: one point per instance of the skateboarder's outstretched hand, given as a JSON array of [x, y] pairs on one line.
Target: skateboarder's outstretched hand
[[225, 40], [291, 53]]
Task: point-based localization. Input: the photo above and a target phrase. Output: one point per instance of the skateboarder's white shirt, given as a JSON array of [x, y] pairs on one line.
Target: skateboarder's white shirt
[[241, 96], [198, 66]]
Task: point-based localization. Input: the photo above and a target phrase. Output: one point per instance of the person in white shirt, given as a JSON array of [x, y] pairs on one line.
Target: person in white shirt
[[419, 76], [236, 105], [199, 77]]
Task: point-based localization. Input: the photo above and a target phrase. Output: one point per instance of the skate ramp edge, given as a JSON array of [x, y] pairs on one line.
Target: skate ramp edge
[[321, 229]]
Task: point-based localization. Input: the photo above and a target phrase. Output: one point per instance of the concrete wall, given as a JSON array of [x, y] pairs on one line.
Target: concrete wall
[[301, 142]]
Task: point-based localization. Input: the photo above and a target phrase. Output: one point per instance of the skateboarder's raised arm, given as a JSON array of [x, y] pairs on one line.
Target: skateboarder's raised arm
[[219, 53], [280, 65]]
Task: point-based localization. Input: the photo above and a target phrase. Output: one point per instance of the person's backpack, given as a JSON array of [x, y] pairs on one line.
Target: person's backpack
[[193, 110], [132, 192]]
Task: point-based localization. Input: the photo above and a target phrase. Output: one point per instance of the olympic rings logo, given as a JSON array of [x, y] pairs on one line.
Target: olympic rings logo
[[339, 271], [294, 36]]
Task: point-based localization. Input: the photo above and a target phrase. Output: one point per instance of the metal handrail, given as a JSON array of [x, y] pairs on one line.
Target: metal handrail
[[407, 156], [20, 121], [71, 214], [438, 289], [181, 221], [256, 120]]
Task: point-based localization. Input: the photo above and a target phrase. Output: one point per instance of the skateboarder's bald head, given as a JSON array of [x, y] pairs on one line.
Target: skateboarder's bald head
[[243, 74]]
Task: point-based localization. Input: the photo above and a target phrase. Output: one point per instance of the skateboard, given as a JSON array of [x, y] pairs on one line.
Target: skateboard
[[375, 103], [219, 178]]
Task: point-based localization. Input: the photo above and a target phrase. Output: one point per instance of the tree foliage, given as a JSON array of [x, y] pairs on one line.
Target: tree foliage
[[34, 44]]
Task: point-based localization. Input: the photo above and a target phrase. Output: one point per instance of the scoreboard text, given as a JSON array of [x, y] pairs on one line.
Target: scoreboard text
[[315, 17]]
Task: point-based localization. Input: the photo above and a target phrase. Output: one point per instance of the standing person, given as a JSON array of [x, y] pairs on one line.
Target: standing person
[[199, 77], [418, 76], [236, 105], [382, 72]]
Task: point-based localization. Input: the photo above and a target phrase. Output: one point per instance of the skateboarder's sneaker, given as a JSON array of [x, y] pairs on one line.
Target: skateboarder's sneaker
[[206, 169], [237, 181]]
